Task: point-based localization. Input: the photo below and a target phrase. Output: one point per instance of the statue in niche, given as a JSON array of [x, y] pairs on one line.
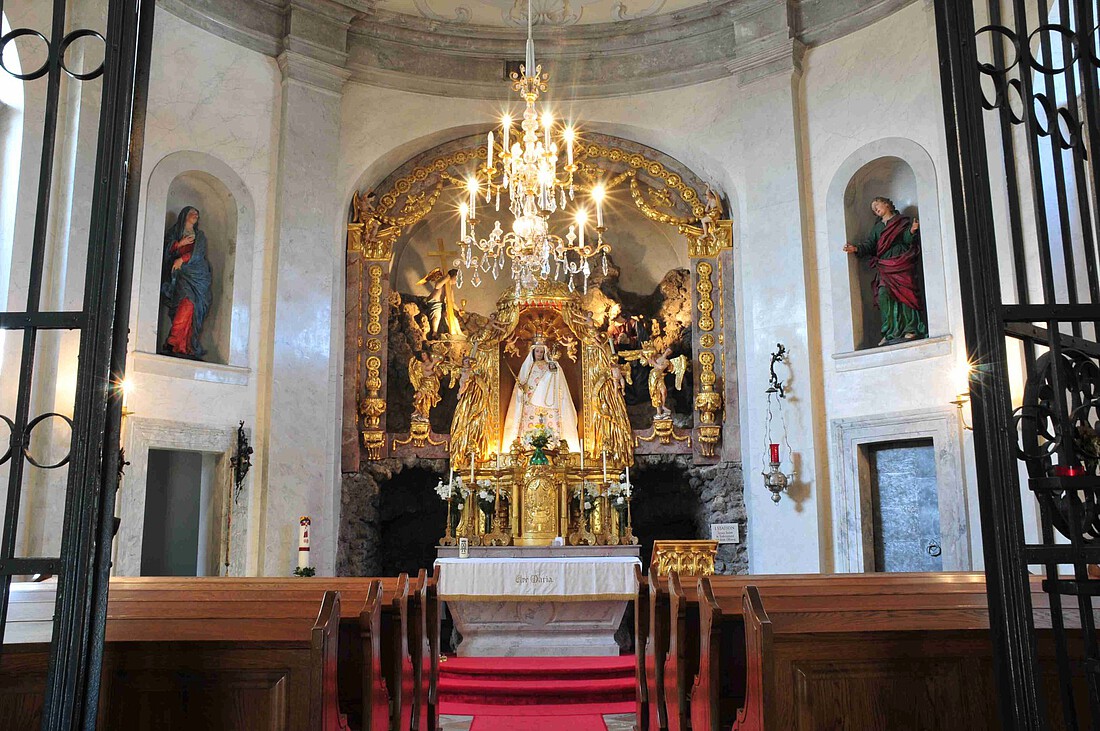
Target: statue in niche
[[541, 395], [441, 303], [712, 213], [424, 377], [893, 251], [186, 285]]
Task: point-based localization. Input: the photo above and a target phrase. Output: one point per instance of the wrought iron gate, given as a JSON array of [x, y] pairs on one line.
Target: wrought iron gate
[[59, 65], [1022, 108]]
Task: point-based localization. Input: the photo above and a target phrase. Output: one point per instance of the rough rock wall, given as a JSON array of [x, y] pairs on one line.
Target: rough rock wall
[[673, 500]]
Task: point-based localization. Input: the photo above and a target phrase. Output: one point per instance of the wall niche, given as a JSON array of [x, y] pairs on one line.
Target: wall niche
[[218, 219], [903, 171], [889, 177]]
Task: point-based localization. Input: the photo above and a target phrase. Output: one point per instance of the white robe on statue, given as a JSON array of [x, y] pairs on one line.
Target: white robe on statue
[[541, 392]]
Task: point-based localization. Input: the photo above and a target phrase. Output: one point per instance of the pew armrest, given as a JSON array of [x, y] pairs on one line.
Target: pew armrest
[[758, 659]]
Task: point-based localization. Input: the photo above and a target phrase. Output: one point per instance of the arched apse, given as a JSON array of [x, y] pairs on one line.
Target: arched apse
[[902, 170], [229, 219]]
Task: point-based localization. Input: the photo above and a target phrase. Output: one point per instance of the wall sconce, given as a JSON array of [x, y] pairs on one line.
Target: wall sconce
[[963, 397], [960, 401]]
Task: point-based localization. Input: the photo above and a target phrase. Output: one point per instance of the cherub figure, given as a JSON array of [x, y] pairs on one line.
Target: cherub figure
[[658, 391], [366, 213], [712, 213]]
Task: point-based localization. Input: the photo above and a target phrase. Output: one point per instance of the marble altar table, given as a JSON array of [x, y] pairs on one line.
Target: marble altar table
[[538, 601]]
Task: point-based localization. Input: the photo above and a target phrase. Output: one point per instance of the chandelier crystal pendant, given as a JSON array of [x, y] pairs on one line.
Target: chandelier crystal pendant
[[529, 176]]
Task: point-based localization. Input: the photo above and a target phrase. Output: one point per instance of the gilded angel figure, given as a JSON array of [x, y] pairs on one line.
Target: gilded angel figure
[[611, 427], [659, 367], [469, 428], [424, 376]]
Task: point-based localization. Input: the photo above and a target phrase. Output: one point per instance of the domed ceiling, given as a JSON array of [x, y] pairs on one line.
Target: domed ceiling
[[513, 14], [467, 47]]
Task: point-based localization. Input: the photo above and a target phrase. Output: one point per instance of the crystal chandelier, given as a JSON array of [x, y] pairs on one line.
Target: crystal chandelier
[[529, 175]]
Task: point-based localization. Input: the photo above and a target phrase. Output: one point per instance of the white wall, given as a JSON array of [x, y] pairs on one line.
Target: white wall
[[767, 145]]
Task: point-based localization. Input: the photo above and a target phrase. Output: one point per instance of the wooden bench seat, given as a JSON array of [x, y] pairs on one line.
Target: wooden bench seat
[[378, 684]]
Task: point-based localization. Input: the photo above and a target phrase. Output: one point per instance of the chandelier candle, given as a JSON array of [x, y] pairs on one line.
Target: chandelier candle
[[529, 176]]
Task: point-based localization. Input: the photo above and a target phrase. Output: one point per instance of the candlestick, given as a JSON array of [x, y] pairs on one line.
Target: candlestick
[[582, 455]]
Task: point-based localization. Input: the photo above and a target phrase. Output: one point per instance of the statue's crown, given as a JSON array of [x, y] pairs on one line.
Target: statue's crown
[[538, 339]]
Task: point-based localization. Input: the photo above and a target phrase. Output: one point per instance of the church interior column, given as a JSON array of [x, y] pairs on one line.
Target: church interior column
[[774, 277], [303, 357]]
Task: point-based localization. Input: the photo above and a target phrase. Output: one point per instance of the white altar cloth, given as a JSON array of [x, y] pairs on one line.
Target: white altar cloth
[[583, 578]]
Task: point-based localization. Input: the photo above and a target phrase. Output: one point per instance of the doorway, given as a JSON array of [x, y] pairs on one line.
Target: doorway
[[180, 536], [905, 508]]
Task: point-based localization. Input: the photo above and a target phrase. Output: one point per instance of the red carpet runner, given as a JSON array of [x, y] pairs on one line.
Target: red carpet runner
[[537, 693]]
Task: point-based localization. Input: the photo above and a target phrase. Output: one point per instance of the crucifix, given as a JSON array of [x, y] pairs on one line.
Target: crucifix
[[445, 263]]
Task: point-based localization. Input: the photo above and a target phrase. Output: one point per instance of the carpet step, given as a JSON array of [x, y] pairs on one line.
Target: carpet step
[[563, 668], [536, 691]]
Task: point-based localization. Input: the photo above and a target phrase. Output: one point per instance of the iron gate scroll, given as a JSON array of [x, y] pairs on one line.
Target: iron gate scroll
[[1022, 108], [56, 59]]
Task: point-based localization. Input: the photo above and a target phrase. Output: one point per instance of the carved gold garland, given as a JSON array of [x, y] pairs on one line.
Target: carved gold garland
[[704, 286], [419, 204]]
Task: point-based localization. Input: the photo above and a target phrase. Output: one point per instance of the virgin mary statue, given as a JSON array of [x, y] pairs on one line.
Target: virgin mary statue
[[541, 395]]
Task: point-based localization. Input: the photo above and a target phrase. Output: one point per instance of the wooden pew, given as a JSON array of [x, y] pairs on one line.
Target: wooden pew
[[656, 649], [375, 703], [682, 661], [718, 688], [242, 666], [434, 620], [354, 593], [272, 602], [641, 634], [685, 653]]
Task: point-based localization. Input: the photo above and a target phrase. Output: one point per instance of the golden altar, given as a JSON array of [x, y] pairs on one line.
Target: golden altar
[[520, 494]]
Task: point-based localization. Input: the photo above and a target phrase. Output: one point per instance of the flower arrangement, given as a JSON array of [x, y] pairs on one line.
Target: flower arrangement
[[620, 492], [540, 436], [584, 496], [455, 489], [486, 496]]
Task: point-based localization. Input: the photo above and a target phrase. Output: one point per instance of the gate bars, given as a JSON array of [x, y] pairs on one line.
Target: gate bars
[[1033, 79], [72, 688]]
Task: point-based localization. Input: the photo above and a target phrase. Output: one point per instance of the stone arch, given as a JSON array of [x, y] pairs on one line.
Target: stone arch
[[903, 170], [175, 181]]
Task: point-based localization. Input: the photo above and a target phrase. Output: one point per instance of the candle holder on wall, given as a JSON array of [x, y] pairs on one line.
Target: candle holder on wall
[[775, 479]]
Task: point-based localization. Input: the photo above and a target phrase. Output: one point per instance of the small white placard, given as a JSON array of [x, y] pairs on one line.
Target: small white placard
[[463, 547], [725, 532]]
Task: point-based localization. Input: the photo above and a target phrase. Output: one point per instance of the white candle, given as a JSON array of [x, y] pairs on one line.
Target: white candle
[[463, 212], [471, 185], [303, 542], [599, 212], [628, 474], [582, 454], [451, 479], [471, 469], [506, 125], [490, 163], [580, 226]]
